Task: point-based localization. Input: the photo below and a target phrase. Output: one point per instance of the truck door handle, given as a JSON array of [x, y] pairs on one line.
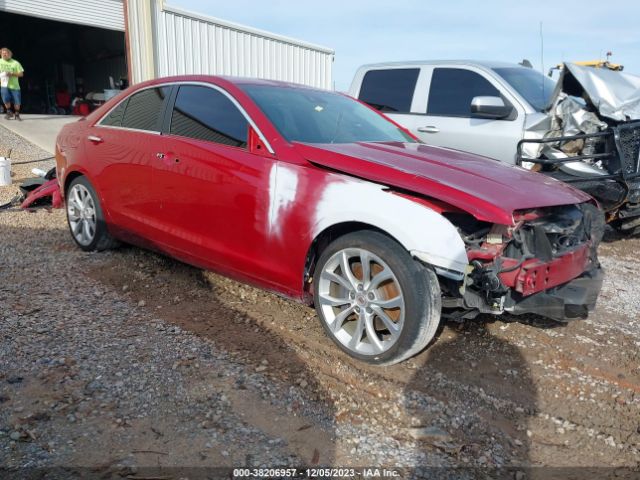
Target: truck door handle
[[429, 129], [160, 155], [94, 139]]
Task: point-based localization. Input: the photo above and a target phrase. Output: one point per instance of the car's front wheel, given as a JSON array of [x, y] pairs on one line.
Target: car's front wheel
[[376, 302], [85, 217]]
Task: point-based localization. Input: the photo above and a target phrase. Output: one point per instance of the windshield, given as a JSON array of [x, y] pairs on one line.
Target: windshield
[[315, 116], [533, 86]]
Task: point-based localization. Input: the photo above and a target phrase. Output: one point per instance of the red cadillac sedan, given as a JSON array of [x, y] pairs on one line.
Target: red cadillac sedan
[[313, 195]]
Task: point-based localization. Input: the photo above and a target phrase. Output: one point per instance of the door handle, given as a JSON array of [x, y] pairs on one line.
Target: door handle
[[94, 139], [429, 129], [168, 157]]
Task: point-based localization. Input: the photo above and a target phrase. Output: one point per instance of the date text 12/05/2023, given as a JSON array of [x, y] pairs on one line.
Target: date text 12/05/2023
[[372, 472]]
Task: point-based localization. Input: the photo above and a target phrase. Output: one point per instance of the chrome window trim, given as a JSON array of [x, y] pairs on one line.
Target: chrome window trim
[[127, 129], [179, 84]]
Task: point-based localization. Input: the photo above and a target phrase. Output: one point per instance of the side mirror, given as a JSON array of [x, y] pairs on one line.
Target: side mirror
[[490, 107]]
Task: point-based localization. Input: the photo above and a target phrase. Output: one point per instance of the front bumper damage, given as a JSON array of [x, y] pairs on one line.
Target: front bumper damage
[[609, 171], [563, 289], [570, 301], [546, 264]]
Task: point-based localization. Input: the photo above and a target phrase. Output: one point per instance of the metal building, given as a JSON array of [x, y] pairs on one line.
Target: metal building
[[85, 45], [166, 40]]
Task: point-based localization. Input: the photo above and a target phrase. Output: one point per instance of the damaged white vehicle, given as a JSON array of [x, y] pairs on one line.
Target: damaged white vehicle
[[591, 139], [584, 129]]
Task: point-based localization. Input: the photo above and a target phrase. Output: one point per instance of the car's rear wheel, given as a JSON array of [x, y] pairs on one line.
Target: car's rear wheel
[[376, 302], [85, 217]]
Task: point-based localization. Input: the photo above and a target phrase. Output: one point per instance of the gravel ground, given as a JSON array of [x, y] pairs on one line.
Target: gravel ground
[[124, 360]]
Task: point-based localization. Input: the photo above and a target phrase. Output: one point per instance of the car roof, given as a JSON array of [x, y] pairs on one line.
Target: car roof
[[417, 63], [222, 79]]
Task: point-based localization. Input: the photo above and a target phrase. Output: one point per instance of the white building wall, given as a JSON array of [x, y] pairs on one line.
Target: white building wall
[[140, 27], [188, 43], [95, 13]]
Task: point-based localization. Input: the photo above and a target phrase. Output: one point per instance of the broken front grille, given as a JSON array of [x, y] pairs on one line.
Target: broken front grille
[[625, 156], [628, 143]]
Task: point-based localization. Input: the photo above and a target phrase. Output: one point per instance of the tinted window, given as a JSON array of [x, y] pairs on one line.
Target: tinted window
[[535, 87], [452, 90], [207, 114], [115, 116], [389, 90], [144, 109], [316, 116]]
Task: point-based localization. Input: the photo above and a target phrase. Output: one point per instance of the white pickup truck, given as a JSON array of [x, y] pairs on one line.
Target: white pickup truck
[[479, 107], [584, 129]]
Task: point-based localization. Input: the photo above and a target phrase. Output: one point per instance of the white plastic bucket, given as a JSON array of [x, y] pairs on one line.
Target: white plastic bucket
[[5, 172], [110, 93]]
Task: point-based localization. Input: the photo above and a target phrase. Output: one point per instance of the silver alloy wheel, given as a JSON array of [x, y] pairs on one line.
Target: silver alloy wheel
[[361, 300], [81, 211]]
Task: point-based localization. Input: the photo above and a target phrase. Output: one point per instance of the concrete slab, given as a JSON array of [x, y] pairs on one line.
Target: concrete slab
[[41, 130]]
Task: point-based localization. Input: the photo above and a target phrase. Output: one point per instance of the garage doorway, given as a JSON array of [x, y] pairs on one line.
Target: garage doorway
[[62, 61]]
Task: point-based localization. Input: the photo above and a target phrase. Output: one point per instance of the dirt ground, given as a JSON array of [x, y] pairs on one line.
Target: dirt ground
[[127, 359]]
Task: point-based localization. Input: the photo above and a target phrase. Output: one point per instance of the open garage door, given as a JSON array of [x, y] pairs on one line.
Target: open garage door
[[62, 59]]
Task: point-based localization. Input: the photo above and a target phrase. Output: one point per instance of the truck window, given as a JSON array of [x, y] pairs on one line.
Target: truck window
[[389, 90], [452, 90], [531, 84]]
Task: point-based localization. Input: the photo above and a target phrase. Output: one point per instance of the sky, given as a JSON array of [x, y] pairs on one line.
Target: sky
[[374, 31]]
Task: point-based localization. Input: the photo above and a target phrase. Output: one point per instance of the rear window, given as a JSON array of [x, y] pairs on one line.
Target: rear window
[[389, 90], [145, 108], [114, 118]]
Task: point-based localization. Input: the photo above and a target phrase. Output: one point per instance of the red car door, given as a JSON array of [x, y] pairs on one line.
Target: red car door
[[211, 190], [121, 149]]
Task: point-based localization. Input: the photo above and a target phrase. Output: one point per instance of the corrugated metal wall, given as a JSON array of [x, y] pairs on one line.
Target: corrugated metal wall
[[96, 13], [188, 43]]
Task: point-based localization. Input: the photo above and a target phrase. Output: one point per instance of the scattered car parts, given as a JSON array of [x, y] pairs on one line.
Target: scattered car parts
[[42, 190]]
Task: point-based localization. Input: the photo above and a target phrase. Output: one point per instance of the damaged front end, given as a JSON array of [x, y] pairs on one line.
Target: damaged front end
[[545, 264], [590, 138]]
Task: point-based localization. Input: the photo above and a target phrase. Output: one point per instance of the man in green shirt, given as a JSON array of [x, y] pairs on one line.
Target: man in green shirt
[[10, 71]]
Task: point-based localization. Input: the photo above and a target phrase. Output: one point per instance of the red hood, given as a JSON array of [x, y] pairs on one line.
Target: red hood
[[488, 189]]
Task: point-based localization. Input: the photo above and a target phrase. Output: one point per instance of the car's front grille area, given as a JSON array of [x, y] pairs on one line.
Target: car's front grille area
[[628, 136]]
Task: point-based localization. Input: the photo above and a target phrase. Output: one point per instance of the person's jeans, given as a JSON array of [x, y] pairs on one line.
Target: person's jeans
[[11, 96]]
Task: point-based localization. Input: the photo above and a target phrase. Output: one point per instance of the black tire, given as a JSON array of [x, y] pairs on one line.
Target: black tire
[[101, 238], [418, 287]]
